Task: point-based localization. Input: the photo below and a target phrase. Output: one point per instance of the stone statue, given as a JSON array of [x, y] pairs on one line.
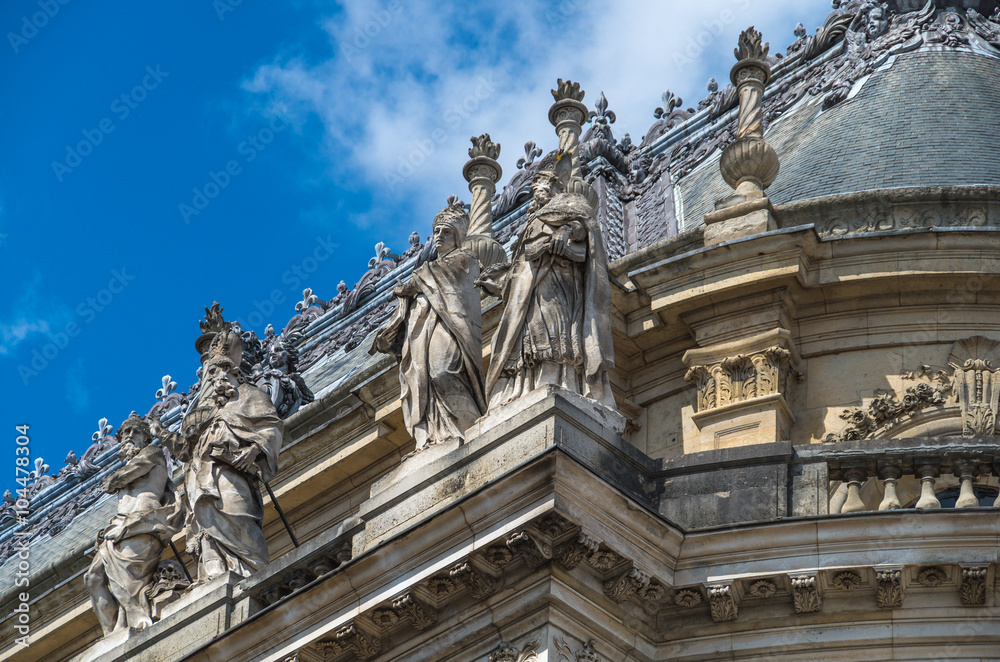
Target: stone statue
[[554, 330], [129, 549], [436, 331], [229, 440]]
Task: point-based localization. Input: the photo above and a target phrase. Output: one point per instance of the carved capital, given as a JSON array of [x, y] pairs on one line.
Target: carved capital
[[571, 554], [479, 584], [529, 549], [741, 377], [973, 590], [722, 603], [805, 594], [365, 645], [624, 585], [889, 587], [420, 614]]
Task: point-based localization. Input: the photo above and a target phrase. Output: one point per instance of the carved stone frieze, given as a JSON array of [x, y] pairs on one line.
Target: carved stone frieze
[[972, 382], [741, 377], [722, 603], [805, 594], [973, 589], [624, 585], [888, 588]]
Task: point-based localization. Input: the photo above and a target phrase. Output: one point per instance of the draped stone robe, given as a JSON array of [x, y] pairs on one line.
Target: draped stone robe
[[130, 547], [555, 329], [436, 331], [225, 505]]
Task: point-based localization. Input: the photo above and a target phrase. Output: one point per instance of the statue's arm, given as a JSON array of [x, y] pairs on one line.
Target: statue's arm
[[493, 278], [138, 467], [569, 242]]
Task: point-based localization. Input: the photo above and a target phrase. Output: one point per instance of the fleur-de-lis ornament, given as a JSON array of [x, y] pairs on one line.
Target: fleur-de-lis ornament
[[168, 387]]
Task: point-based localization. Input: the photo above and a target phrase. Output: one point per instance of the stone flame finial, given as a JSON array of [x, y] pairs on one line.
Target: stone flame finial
[[749, 164], [749, 46], [567, 90], [483, 172], [483, 146]]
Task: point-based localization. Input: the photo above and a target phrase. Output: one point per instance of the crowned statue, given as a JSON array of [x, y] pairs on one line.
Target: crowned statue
[[229, 441], [436, 332]]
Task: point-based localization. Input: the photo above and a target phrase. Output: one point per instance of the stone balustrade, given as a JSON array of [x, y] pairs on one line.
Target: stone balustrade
[[960, 471]]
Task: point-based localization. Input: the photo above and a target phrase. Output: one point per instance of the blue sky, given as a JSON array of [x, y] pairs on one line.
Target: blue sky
[[161, 156]]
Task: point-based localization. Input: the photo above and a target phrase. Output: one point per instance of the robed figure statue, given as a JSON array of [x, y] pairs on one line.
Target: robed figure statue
[[555, 329], [229, 442], [436, 331], [129, 548]]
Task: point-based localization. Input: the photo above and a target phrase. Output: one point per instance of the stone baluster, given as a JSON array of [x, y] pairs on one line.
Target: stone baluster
[[855, 474], [927, 470], [996, 470], [965, 470], [890, 471], [482, 171]]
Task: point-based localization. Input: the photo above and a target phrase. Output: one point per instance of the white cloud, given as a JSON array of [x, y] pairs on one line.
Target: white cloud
[[408, 82], [31, 314]]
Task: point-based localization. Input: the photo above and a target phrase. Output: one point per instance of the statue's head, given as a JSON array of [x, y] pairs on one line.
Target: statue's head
[[545, 185], [450, 227], [133, 436]]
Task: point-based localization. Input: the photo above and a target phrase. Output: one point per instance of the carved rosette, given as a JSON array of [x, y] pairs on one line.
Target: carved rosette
[[741, 377], [889, 588], [762, 588], [973, 590], [722, 603], [688, 597], [931, 577], [805, 594], [846, 581]]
